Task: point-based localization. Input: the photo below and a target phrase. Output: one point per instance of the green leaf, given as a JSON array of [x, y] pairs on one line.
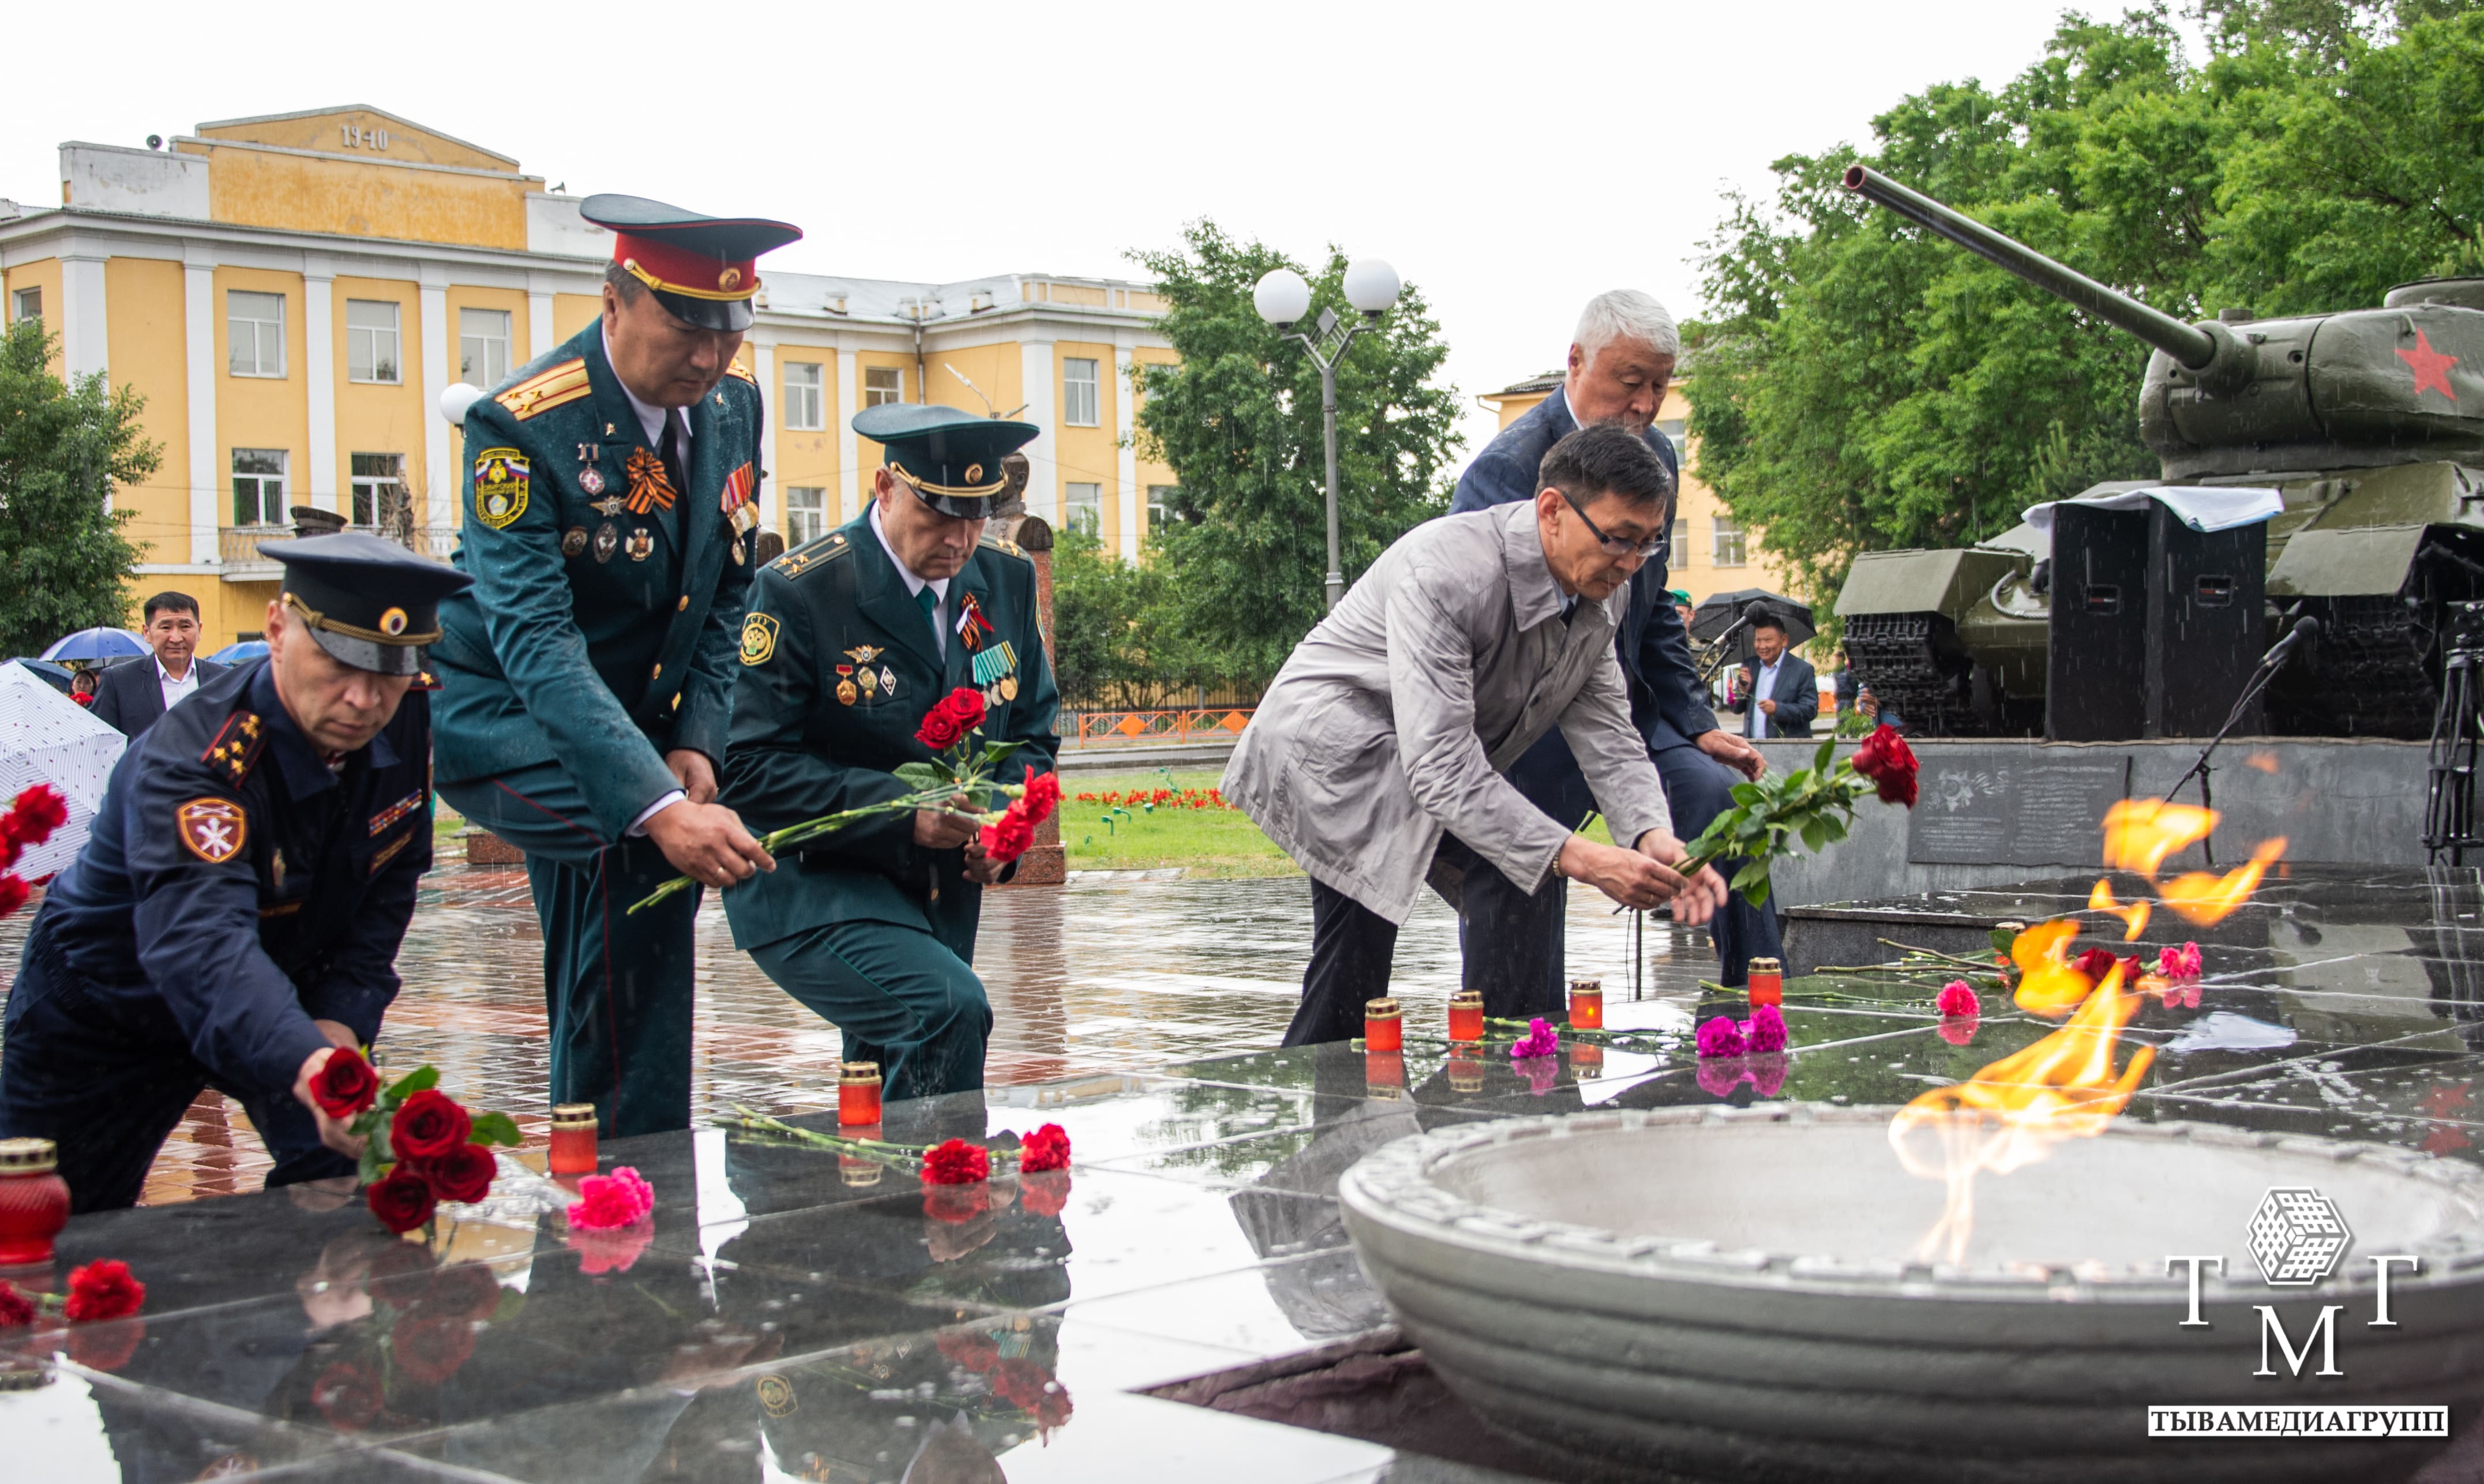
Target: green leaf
[[1750, 794], [1827, 752], [421, 1079], [1758, 897], [1001, 751], [1815, 834], [923, 775], [497, 1128]]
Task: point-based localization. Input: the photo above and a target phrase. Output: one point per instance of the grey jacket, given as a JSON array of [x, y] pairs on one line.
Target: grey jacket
[[1395, 718]]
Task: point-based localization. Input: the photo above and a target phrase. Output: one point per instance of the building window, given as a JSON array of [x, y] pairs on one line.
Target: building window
[[1081, 398], [882, 384], [1726, 549], [26, 304], [806, 513], [1086, 508], [483, 347], [806, 398], [1160, 505], [255, 327], [371, 340], [1677, 541], [379, 488], [258, 486]]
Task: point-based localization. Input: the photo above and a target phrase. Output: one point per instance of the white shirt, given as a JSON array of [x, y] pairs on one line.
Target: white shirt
[[651, 421], [176, 691], [914, 584], [1755, 720]]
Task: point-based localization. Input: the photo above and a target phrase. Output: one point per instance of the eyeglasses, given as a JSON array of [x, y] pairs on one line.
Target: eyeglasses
[[1614, 546]]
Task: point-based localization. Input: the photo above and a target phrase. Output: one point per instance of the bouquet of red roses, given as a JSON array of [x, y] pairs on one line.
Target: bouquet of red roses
[[959, 768], [419, 1146], [1813, 804]]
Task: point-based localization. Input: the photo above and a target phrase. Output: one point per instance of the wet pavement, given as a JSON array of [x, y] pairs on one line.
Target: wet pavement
[[789, 1316]]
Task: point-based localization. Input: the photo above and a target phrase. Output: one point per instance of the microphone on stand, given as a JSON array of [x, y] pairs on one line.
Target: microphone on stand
[[2305, 631], [1752, 612]]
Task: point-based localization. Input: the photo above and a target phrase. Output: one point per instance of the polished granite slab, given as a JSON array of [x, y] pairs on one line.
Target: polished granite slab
[[787, 1314]]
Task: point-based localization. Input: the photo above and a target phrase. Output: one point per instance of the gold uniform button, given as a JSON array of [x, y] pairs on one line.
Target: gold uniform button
[[682, 606], [660, 673]]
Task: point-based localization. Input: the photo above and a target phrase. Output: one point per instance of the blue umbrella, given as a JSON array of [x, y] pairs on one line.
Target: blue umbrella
[[56, 676], [238, 651], [96, 644]]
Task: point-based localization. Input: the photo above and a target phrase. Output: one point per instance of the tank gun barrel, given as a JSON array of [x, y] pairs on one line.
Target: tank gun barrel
[[2196, 347]]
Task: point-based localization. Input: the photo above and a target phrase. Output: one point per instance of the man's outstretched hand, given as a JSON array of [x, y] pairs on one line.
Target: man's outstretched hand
[[1643, 877], [707, 843], [1734, 752]]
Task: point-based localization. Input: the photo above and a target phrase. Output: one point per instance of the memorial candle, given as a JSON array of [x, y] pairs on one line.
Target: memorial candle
[[1586, 1004], [1767, 982], [857, 1094], [1466, 1015], [1383, 1027], [572, 1139], [34, 1200]]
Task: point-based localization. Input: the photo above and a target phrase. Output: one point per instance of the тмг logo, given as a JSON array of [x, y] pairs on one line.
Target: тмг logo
[[2297, 1237]]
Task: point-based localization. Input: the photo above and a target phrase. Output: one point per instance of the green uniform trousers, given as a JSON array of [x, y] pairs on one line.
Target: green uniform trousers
[[900, 996], [618, 989]]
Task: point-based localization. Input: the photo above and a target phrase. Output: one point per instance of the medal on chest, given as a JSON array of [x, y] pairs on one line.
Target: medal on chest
[[607, 536], [995, 667], [741, 491], [864, 679], [847, 691], [643, 544]]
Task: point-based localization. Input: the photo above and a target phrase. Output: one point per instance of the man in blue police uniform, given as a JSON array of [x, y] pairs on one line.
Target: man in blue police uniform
[[851, 640], [236, 912], [1621, 361], [608, 512]]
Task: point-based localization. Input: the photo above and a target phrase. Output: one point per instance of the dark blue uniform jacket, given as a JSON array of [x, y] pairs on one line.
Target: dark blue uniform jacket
[[234, 888]]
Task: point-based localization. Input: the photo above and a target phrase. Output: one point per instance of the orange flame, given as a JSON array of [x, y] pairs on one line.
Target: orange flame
[[2010, 1114], [2134, 916], [2047, 984], [2139, 833], [2206, 900]]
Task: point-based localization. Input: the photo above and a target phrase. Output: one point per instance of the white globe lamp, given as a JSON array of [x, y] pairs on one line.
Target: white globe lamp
[[1282, 297], [1372, 285], [455, 398]]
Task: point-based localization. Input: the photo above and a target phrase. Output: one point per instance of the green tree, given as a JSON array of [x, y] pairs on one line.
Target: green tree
[[1239, 420], [64, 447], [1864, 386], [1106, 613]]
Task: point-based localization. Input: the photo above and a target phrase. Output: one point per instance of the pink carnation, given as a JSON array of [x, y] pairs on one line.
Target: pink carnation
[[611, 1202], [1720, 1036], [2183, 963], [1764, 1031], [1540, 1041], [1957, 998]]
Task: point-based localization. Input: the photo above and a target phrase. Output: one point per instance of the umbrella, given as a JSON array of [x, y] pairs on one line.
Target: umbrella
[[238, 651], [47, 738], [1720, 612], [56, 676], [96, 644]]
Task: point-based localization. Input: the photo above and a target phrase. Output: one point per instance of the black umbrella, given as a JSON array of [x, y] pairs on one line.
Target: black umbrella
[[1723, 615]]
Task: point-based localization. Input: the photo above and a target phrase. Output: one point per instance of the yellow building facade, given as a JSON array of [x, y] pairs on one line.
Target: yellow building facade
[[291, 294]]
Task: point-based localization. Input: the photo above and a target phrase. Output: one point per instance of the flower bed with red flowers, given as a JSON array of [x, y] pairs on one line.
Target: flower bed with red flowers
[[1149, 799]]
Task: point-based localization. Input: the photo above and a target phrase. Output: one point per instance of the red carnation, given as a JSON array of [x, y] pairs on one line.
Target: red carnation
[[1046, 1149], [969, 1349], [1042, 796], [36, 813], [402, 1201], [462, 1175], [940, 730], [955, 1163], [12, 894], [104, 1290], [1890, 764], [1045, 1193], [963, 705], [15, 1308], [346, 1085], [429, 1125], [1011, 837], [106, 1346], [956, 1204]]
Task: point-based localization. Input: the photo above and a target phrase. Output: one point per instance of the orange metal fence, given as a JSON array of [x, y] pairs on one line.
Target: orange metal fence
[[1137, 726]]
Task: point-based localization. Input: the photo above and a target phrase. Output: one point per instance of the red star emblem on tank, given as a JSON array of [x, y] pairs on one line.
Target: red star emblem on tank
[[2430, 367]]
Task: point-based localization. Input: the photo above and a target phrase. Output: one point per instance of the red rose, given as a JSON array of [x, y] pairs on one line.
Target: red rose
[[430, 1348], [940, 730], [348, 1397], [1046, 1149], [957, 1163], [402, 1201], [1010, 838], [12, 894], [464, 1174], [15, 1308], [1045, 1193], [429, 1125], [965, 707], [346, 1085], [2095, 964], [1890, 764], [1042, 796], [104, 1290]]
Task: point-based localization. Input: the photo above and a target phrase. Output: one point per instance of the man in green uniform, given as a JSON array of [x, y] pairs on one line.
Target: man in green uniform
[[607, 525], [850, 640]]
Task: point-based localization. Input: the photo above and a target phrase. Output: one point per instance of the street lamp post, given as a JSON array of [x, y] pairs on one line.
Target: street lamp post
[[1283, 298]]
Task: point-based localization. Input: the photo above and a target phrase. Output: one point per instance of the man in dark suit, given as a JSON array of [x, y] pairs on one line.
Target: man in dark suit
[[134, 695], [1621, 361], [1783, 689]]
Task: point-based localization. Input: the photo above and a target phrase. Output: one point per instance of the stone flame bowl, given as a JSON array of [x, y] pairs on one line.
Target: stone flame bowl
[[1711, 1293]]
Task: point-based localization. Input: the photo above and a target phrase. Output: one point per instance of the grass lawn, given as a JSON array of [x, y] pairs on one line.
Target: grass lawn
[[1203, 841]]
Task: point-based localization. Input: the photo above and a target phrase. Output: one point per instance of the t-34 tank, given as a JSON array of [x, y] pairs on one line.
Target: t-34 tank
[[2370, 422]]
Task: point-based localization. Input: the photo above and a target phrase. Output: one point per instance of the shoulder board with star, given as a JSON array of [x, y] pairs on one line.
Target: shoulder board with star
[[995, 543], [811, 553], [735, 368], [425, 679], [236, 747], [563, 383]]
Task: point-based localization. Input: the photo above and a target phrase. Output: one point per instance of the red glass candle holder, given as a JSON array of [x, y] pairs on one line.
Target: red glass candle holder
[[572, 1139], [1384, 1074], [1767, 982], [34, 1200], [1466, 1015], [1586, 1004], [1466, 1072], [1587, 1059], [1384, 1026], [857, 1094]]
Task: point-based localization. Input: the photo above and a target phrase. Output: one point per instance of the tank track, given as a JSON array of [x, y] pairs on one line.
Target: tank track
[[2374, 672], [1914, 666]]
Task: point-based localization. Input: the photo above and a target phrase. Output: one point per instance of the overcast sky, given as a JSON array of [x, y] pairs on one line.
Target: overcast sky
[[1512, 160]]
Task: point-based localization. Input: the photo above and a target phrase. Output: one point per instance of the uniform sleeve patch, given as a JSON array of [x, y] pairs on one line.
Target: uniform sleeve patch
[[501, 479], [758, 639], [212, 829]]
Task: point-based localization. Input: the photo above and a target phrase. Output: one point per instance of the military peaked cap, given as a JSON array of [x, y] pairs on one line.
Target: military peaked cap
[[703, 268], [371, 603], [950, 457]]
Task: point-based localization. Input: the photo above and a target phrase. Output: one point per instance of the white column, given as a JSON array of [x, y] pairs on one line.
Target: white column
[[319, 376], [1039, 385], [849, 444], [1127, 472], [762, 364], [539, 333], [85, 346], [198, 348], [439, 503]]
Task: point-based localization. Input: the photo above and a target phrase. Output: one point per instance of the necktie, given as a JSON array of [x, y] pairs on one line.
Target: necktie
[[669, 449], [930, 602]]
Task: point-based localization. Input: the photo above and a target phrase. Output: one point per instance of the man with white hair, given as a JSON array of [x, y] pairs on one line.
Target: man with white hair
[[1621, 361]]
